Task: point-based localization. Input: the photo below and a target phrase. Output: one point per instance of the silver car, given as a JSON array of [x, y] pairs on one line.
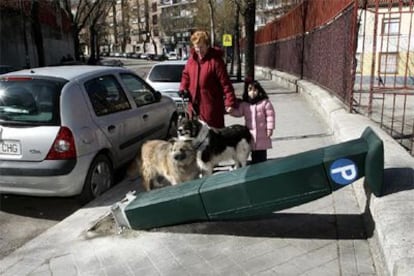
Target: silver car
[[64, 130], [166, 77]]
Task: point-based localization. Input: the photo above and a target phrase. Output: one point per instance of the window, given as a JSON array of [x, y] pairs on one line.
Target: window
[[166, 73], [390, 26], [388, 63], [106, 95], [34, 101], [140, 91]]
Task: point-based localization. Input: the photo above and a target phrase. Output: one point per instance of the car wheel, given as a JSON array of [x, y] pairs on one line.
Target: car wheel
[[99, 179], [172, 128]]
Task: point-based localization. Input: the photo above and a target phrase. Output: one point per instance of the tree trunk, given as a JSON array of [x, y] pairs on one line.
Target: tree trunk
[[124, 35], [212, 23], [236, 53], [249, 21], [92, 38], [115, 30], [37, 33], [304, 18], [76, 43]]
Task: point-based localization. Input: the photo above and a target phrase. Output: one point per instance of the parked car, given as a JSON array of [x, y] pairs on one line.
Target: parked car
[[150, 56], [143, 56], [65, 130], [110, 62], [172, 55], [161, 57], [136, 55], [166, 77]]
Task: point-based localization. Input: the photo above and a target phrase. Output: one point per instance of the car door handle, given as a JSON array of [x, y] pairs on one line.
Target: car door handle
[[145, 116], [111, 128]]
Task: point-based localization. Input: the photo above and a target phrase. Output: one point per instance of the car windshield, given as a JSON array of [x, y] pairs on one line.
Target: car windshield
[[166, 73], [29, 101]]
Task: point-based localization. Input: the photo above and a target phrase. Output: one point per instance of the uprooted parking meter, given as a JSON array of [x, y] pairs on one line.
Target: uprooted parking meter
[[260, 188]]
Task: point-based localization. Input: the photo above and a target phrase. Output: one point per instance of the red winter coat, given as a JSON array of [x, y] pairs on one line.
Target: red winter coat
[[209, 86]]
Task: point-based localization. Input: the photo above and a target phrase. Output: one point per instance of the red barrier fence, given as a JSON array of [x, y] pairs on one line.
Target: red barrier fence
[[361, 51]]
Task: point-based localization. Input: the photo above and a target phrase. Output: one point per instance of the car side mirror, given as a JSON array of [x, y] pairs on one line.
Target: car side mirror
[[157, 96]]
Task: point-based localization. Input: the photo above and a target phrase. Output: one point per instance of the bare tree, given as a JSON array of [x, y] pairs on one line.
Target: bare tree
[[81, 17], [114, 23], [37, 32], [248, 10], [236, 43], [96, 22], [212, 22]]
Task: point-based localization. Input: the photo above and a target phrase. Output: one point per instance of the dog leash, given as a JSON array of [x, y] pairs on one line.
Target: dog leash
[[194, 114]]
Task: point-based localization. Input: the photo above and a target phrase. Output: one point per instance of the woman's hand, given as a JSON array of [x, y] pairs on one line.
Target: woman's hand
[[229, 109]]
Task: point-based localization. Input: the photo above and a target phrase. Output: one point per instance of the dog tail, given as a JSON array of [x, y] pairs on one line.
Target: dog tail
[[134, 169]]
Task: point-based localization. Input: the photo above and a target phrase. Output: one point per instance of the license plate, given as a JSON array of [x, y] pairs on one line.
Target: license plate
[[10, 147]]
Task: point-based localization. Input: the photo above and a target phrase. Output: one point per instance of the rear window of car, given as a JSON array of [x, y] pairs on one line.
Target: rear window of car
[[30, 101], [166, 73]]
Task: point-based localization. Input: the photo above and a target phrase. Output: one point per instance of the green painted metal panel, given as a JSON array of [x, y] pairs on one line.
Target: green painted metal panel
[[374, 162], [166, 206], [367, 153], [354, 151], [262, 188], [266, 187]]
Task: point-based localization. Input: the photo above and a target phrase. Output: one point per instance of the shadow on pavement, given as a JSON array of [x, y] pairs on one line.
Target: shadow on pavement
[[285, 225], [398, 180], [52, 208]]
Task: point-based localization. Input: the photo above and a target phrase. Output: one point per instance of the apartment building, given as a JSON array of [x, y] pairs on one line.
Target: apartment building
[[149, 26], [269, 10]]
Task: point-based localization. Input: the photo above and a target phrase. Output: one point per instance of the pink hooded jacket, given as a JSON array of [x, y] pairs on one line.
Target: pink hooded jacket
[[258, 118]]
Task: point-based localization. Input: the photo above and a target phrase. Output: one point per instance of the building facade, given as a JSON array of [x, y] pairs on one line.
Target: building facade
[[149, 26]]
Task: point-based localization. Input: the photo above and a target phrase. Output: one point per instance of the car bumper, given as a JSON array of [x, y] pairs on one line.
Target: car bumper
[[43, 168], [34, 181]]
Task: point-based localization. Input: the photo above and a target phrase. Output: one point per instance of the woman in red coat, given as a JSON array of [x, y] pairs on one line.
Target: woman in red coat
[[206, 83]]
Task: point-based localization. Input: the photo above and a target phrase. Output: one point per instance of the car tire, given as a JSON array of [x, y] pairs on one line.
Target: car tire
[[172, 128], [99, 179]]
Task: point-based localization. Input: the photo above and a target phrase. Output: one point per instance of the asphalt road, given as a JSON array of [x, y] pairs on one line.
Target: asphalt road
[[24, 217]]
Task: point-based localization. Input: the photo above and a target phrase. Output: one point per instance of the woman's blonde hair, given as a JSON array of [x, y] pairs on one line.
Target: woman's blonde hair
[[200, 37]]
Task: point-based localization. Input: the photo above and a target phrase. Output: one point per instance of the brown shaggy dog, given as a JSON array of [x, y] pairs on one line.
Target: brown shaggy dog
[[174, 160]]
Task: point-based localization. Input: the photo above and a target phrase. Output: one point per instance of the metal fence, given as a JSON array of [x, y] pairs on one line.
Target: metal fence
[[384, 73], [359, 50]]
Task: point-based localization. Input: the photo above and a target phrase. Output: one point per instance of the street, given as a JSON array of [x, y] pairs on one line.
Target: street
[[24, 217]]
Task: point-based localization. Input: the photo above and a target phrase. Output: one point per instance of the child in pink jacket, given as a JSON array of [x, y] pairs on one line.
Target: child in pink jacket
[[259, 116]]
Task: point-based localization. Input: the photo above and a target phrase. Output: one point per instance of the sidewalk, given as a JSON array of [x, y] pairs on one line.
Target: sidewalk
[[323, 237], [391, 216]]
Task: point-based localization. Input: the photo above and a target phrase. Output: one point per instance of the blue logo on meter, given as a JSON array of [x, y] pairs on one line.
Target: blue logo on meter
[[343, 171]]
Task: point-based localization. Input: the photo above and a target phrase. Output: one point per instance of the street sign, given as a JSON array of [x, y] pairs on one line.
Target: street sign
[[227, 41]]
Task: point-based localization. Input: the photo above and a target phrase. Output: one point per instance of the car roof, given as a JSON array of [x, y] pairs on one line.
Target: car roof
[[66, 72], [171, 62]]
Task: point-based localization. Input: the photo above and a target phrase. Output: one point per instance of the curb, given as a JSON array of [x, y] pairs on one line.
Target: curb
[[390, 216]]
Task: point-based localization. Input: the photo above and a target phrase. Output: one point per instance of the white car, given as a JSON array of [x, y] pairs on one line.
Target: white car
[[172, 56], [65, 130], [165, 77]]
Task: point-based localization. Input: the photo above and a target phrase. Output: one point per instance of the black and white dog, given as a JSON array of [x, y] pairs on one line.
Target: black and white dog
[[216, 145]]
